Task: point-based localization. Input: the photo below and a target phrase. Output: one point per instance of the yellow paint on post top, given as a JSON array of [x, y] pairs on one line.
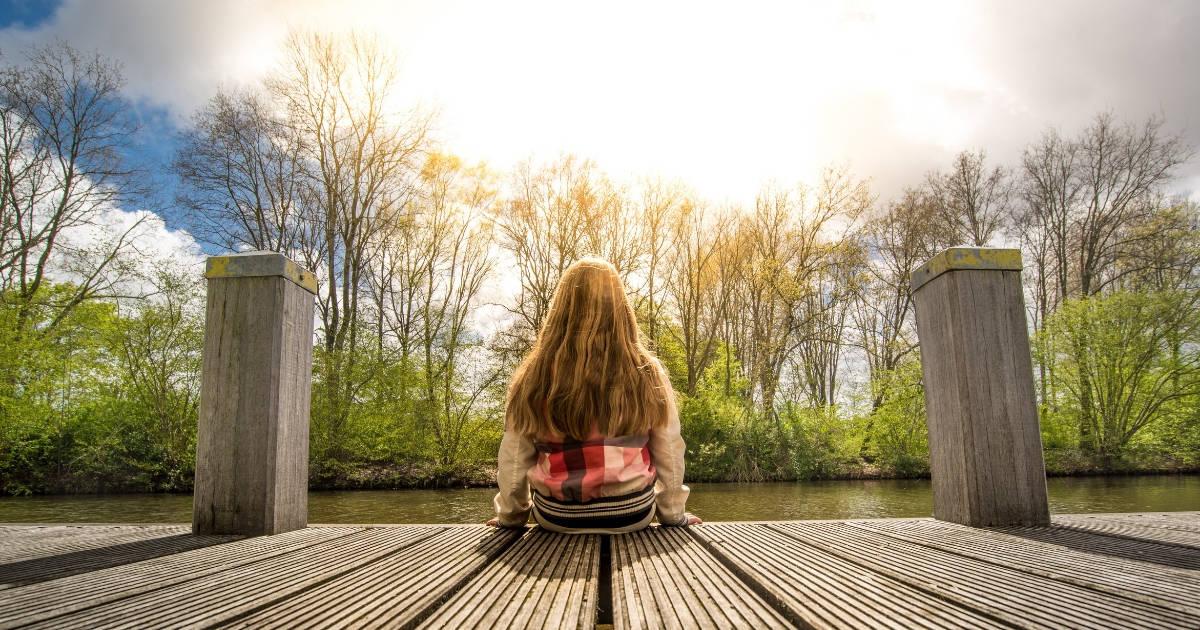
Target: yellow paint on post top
[[958, 258], [249, 264]]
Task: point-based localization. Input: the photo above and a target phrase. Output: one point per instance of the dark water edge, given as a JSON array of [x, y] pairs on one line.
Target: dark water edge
[[427, 476], [871, 498]]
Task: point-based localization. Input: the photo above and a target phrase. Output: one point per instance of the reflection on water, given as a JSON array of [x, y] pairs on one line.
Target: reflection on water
[[470, 505], [714, 502], [812, 500]]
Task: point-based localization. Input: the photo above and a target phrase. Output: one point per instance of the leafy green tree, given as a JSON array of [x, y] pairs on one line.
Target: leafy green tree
[[156, 351], [48, 377], [1135, 355], [896, 430]]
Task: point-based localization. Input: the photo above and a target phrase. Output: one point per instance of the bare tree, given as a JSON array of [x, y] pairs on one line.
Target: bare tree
[[451, 214], [1082, 194], [1051, 194], [246, 177], [790, 241], [660, 203], [825, 307], [899, 239], [1121, 168], [731, 257], [321, 165], [693, 282], [555, 215], [1084, 198], [827, 310], [972, 200], [64, 128]]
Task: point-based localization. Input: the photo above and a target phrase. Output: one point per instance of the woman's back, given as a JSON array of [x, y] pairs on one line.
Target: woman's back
[[570, 470], [591, 422]]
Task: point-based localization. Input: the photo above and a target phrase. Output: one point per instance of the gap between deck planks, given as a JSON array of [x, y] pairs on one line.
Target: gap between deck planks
[[1087, 571]]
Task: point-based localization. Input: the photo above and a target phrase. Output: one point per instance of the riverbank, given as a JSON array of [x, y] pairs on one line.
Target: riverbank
[[402, 476], [390, 476], [866, 498], [429, 476]]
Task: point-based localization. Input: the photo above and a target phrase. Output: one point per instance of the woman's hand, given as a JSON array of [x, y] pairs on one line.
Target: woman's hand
[[692, 519], [494, 522]]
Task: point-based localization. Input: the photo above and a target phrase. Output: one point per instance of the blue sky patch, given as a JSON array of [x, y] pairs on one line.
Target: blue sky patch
[[153, 151], [26, 14]]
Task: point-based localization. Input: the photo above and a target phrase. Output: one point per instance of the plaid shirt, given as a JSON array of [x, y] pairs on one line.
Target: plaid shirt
[[600, 466], [597, 467]]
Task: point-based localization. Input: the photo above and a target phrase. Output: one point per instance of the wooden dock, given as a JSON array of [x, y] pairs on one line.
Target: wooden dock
[[1084, 571]]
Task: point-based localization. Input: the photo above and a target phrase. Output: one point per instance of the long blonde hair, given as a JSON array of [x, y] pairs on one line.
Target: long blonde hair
[[588, 368]]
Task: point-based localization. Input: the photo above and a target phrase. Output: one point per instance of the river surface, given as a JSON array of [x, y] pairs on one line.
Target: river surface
[[714, 502]]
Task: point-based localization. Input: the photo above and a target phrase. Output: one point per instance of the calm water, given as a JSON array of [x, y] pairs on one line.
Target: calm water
[[715, 502]]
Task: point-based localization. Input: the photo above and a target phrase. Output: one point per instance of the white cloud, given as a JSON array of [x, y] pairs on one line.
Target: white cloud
[[175, 54], [150, 243], [722, 95]]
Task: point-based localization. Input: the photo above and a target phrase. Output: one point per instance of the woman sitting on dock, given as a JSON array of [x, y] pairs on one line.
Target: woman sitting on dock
[[591, 427]]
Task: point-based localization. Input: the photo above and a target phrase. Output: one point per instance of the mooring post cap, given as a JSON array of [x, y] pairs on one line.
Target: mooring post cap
[[260, 263], [958, 258]]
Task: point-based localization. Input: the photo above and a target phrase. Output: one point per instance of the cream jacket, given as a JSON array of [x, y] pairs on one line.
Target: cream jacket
[[518, 456]]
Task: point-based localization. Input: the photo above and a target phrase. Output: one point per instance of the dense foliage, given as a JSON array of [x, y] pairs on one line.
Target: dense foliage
[[786, 326]]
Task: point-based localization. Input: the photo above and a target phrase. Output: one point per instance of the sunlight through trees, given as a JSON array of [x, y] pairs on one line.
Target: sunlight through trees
[[786, 325]]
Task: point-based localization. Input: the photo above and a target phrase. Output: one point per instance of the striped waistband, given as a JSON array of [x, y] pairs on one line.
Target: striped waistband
[[603, 513]]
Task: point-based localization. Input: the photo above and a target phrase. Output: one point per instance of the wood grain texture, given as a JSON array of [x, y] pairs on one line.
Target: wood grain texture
[[1174, 589], [252, 439], [43, 541], [1187, 521], [544, 580], [984, 441], [15, 536], [1094, 572], [395, 592], [93, 553], [817, 589], [663, 578], [1111, 525], [1016, 597], [1113, 545], [47, 600], [232, 593]]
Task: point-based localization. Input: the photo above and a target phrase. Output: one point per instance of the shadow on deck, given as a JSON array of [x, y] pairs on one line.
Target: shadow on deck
[[1084, 571]]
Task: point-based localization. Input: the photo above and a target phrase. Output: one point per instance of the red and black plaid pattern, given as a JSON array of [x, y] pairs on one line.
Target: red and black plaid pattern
[[600, 466]]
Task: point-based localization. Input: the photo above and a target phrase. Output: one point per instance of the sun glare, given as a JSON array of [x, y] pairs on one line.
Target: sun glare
[[722, 99]]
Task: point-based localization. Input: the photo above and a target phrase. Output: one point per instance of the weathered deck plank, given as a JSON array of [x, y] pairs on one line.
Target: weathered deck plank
[[1016, 597], [44, 541], [394, 592], [34, 533], [1189, 521], [1116, 525], [1088, 571], [228, 594], [1176, 589], [97, 556], [37, 602], [1099, 544], [664, 578], [544, 580], [819, 590]]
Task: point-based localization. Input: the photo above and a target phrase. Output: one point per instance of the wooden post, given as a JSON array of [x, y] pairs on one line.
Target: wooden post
[[252, 440], [985, 447]]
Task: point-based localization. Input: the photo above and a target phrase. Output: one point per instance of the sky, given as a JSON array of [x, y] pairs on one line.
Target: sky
[[722, 96]]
